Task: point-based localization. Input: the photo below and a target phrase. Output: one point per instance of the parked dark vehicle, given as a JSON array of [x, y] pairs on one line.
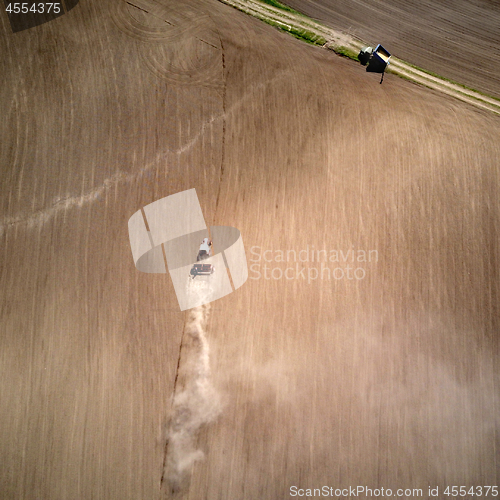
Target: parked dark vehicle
[[376, 61]]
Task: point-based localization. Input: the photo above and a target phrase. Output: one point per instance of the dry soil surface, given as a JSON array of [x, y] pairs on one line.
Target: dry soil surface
[[380, 372]]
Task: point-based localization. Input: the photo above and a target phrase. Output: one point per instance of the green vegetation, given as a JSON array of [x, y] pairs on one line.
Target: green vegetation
[[279, 5], [423, 84], [300, 33], [346, 52], [435, 75]]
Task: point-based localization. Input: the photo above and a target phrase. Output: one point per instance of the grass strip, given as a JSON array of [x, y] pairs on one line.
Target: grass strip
[[278, 5], [300, 33], [346, 52]]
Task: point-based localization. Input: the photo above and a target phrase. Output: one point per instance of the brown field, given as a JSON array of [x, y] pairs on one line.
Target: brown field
[[387, 381]]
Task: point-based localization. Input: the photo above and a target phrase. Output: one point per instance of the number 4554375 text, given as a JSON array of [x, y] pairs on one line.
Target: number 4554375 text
[[36, 8]]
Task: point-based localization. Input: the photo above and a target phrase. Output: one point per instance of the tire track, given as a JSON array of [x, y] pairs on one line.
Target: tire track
[[178, 46]]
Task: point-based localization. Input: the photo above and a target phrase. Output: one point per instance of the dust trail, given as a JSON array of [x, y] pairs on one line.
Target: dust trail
[[65, 203], [61, 204], [195, 401]]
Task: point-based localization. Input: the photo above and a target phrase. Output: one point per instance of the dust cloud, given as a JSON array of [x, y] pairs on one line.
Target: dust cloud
[[195, 401]]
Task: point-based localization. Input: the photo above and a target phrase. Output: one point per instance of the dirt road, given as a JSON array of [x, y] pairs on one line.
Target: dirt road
[[458, 40], [382, 372]]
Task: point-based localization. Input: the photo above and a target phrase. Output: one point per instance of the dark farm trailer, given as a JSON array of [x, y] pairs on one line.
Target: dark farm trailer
[[375, 60]]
